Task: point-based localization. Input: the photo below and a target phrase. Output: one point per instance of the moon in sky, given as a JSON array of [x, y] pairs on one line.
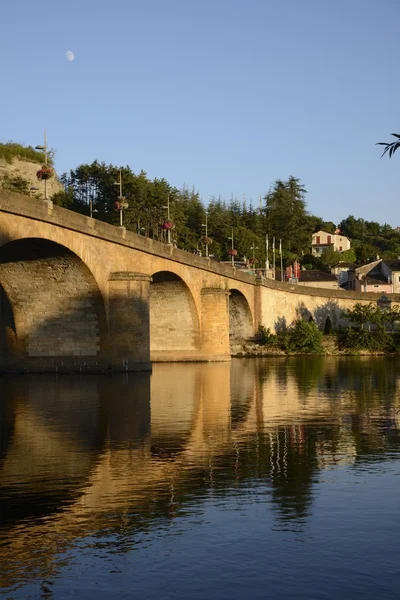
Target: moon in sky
[[70, 55]]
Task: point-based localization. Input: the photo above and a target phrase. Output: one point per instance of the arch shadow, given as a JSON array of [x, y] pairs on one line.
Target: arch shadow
[[174, 321], [52, 313], [241, 325]]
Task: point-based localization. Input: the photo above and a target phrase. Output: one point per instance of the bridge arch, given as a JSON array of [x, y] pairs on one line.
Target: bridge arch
[[50, 306], [174, 319], [241, 324]]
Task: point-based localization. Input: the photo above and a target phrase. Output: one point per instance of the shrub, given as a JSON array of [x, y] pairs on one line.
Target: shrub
[[361, 339], [303, 337], [12, 150], [265, 337], [15, 183]]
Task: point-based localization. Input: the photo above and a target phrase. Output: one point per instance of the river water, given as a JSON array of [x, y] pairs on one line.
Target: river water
[[270, 478]]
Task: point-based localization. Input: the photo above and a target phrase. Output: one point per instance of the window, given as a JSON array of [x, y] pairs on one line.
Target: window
[[318, 239], [340, 248], [399, 277], [329, 239]]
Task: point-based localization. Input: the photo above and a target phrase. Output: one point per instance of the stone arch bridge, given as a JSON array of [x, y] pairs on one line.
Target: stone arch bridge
[[79, 294]]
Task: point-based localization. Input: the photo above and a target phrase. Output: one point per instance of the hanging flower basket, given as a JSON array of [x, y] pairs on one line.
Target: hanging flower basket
[[120, 204], [168, 225], [232, 252], [207, 241], [44, 173]]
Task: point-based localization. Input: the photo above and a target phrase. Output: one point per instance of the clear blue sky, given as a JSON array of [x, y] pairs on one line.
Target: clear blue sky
[[222, 95]]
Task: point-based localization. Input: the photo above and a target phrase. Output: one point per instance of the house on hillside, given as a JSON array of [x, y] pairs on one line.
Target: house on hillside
[[391, 268], [341, 271], [376, 276], [321, 240]]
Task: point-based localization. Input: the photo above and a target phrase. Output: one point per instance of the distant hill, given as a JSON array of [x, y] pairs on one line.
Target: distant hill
[[18, 167]]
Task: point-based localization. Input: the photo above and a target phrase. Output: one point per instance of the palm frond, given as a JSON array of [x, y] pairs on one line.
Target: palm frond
[[390, 147]]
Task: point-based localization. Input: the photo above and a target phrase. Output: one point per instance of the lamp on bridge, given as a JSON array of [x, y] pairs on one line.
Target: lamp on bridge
[[206, 239], [45, 172], [232, 252], [121, 202], [168, 224], [254, 248], [91, 209]]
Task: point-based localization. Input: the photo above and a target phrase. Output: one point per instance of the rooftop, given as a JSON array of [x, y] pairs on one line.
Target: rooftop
[[316, 275], [344, 265], [393, 264]]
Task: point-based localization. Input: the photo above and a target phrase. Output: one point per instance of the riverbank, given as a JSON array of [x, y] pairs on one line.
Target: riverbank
[[330, 347]]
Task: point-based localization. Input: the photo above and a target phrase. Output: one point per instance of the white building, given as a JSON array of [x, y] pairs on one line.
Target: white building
[[321, 240]]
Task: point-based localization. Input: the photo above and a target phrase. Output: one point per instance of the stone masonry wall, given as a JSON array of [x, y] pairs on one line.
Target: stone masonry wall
[[240, 320], [104, 249], [174, 324], [57, 302]]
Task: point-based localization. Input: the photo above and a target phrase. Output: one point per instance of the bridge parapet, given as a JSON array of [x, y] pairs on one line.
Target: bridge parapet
[[48, 212]]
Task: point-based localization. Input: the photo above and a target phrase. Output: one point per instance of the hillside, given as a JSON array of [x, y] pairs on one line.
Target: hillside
[[18, 168]]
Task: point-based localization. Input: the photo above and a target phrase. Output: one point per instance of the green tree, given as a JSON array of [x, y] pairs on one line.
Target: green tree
[[286, 216], [353, 228], [309, 261], [361, 314], [245, 240], [348, 256], [330, 257], [303, 337], [365, 252], [391, 316]]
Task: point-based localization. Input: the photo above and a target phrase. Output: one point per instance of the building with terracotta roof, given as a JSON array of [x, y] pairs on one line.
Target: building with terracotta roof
[[321, 240]]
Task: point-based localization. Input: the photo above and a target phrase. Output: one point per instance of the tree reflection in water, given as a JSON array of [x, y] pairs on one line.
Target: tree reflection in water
[[123, 455]]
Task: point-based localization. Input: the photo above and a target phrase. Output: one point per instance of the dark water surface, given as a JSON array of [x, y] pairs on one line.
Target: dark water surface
[[260, 479]]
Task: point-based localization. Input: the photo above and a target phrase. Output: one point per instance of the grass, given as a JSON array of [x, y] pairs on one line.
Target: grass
[[12, 150]]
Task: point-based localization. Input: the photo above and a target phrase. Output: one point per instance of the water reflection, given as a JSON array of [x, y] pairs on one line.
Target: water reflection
[[91, 459]]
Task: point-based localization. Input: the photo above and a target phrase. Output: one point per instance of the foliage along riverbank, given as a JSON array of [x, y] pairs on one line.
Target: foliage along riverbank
[[371, 331], [329, 347]]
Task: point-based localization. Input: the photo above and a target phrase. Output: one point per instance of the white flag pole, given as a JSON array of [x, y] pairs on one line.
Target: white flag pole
[[273, 253]]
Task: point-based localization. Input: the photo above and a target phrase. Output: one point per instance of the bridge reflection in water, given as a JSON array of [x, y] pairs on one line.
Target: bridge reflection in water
[[122, 455]]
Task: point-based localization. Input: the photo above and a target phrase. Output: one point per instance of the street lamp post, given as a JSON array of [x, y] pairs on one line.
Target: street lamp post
[[232, 248], [168, 219], [206, 232], [267, 255], [254, 248], [120, 197], [91, 209], [44, 149]]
